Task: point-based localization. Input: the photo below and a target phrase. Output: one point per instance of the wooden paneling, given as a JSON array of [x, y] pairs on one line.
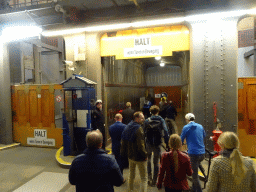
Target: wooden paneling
[[247, 115], [173, 92], [33, 108]]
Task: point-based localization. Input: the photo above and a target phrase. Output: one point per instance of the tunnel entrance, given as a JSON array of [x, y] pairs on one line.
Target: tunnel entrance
[[140, 65]]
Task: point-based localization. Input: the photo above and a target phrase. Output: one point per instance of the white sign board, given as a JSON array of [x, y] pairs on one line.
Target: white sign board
[[143, 51], [82, 118], [40, 138], [157, 95], [142, 47]]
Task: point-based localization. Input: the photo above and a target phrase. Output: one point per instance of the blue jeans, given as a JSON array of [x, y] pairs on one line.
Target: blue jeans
[[157, 153], [195, 161]]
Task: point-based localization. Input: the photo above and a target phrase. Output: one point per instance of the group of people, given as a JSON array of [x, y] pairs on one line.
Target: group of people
[[135, 140]]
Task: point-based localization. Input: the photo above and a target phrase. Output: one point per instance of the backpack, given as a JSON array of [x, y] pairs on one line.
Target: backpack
[[153, 132]]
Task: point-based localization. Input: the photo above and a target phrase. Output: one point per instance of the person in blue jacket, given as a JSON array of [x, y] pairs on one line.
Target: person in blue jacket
[[194, 134], [115, 132], [95, 170]]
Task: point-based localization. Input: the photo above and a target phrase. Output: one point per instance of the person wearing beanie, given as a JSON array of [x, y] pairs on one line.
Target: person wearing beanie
[[194, 134]]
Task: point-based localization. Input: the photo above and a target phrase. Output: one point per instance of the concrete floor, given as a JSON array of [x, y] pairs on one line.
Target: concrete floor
[[22, 167], [25, 169]]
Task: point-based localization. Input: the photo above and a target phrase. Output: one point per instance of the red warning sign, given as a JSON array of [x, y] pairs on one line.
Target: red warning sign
[[58, 98]]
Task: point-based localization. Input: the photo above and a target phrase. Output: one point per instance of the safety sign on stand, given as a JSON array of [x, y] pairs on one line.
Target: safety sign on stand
[[58, 98], [40, 138]]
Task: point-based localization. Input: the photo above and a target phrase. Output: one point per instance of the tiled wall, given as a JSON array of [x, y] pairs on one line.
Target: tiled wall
[[245, 38]]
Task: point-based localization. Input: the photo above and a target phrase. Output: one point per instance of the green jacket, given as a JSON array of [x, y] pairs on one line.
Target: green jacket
[[133, 142]]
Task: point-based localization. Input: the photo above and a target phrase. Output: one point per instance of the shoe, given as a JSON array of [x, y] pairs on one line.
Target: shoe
[[153, 184], [149, 182]]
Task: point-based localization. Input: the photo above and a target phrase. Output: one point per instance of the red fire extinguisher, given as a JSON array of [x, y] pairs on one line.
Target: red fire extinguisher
[[217, 132]]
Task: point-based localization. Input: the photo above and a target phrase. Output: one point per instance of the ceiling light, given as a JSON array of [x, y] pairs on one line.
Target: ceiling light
[[149, 23], [162, 64], [157, 22], [63, 32], [158, 58], [108, 27], [12, 33]]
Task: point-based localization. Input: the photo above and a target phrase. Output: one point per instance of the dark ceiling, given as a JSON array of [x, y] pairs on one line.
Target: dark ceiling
[[63, 13], [58, 14]]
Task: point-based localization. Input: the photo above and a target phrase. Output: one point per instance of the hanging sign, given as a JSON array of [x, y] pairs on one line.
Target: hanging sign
[[40, 138], [142, 47]]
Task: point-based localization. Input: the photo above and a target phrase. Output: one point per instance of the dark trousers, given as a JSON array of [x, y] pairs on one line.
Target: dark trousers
[[195, 161], [156, 159], [172, 190], [119, 159]]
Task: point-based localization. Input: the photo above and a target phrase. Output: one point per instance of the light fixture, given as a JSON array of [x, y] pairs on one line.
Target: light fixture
[[158, 58], [63, 32], [108, 27], [17, 32], [157, 22], [87, 29], [162, 64]]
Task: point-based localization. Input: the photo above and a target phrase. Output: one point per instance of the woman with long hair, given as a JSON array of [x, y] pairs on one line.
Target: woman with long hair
[[231, 171], [175, 166]]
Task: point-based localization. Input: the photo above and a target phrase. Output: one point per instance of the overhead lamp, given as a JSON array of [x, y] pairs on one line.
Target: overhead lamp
[[157, 22], [108, 27], [63, 32], [12, 33], [87, 29], [158, 58], [162, 64], [216, 15]]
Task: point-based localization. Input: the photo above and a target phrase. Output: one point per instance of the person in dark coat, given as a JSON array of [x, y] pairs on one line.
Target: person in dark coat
[[115, 132], [128, 113], [170, 115], [95, 170], [98, 121]]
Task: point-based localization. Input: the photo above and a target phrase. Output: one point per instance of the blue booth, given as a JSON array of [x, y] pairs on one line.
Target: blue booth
[[79, 97]]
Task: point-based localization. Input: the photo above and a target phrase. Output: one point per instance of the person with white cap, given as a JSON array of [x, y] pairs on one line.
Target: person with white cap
[[98, 121], [194, 134]]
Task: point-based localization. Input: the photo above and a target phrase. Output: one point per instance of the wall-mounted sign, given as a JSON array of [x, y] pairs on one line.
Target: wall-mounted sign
[[142, 47], [157, 95], [142, 41], [58, 98], [40, 138], [145, 42]]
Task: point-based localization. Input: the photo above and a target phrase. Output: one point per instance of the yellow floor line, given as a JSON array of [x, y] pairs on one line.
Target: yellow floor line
[[110, 151], [65, 163], [59, 160], [9, 146]]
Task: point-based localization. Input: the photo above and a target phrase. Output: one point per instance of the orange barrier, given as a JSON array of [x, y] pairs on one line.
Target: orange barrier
[[247, 115], [33, 116]]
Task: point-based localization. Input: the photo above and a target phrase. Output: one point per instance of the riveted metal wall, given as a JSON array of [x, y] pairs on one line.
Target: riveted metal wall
[[123, 71], [124, 81], [163, 76], [213, 71]]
